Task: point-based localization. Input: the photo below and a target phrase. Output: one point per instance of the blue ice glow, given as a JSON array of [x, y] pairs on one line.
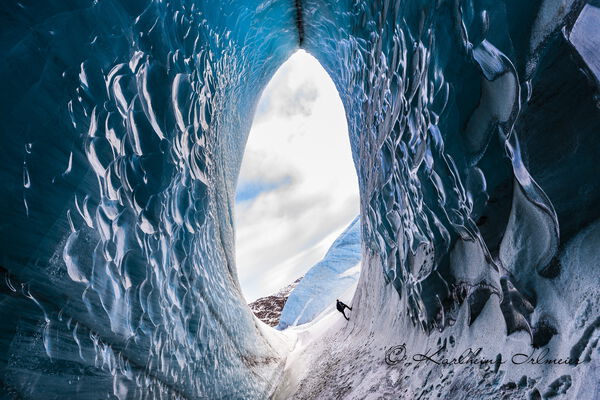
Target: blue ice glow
[[473, 127]]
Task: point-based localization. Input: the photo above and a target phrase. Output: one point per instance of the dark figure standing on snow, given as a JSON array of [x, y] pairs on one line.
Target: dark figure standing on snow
[[341, 307]]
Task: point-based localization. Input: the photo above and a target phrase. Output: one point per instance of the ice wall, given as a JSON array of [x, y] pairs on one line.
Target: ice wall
[[123, 125], [473, 129], [473, 126], [458, 116]]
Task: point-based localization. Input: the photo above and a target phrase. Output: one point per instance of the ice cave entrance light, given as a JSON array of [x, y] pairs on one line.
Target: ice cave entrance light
[[297, 188]]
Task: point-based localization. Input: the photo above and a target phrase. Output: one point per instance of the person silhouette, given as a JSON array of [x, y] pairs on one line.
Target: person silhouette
[[341, 307]]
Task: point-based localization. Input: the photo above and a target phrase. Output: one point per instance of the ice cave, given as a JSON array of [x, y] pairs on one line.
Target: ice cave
[[123, 125]]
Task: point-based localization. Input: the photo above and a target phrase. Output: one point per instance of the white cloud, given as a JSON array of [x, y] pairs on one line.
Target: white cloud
[[299, 141]]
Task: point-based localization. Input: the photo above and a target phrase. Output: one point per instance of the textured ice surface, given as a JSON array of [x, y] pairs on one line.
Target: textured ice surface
[[325, 281], [585, 38], [473, 126], [123, 125]]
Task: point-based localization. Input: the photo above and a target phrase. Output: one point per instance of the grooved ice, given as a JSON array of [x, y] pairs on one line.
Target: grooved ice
[[474, 129]]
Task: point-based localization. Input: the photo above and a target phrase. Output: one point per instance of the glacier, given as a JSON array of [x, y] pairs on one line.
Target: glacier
[[473, 127], [329, 279]]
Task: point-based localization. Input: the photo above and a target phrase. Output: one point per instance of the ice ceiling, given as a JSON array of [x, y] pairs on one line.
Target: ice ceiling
[[473, 126]]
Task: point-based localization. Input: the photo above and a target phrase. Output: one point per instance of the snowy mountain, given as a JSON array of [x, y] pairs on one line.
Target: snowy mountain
[[335, 276], [326, 281]]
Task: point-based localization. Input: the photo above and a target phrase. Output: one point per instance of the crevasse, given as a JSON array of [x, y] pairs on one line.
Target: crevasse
[[472, 126]]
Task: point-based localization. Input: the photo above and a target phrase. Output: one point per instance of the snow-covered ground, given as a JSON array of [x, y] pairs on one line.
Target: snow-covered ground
[[311, 341], [332, 358]]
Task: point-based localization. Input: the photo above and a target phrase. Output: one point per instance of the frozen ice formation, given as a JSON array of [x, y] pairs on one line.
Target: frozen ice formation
[[326, 281], [473, 126]]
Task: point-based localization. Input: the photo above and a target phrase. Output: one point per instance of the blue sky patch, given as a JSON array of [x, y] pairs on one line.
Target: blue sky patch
[[250, 190]]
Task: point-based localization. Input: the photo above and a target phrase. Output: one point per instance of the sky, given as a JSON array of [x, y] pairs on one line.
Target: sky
[[297, 188]]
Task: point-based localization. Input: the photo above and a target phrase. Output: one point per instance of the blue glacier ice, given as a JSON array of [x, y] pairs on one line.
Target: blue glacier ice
[[474, 131], [325, 281]]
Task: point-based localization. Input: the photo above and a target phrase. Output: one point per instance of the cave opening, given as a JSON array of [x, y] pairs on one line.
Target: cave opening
[[297, 189]]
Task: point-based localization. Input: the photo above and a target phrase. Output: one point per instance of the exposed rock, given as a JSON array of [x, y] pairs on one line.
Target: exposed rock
[[268, 309]]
